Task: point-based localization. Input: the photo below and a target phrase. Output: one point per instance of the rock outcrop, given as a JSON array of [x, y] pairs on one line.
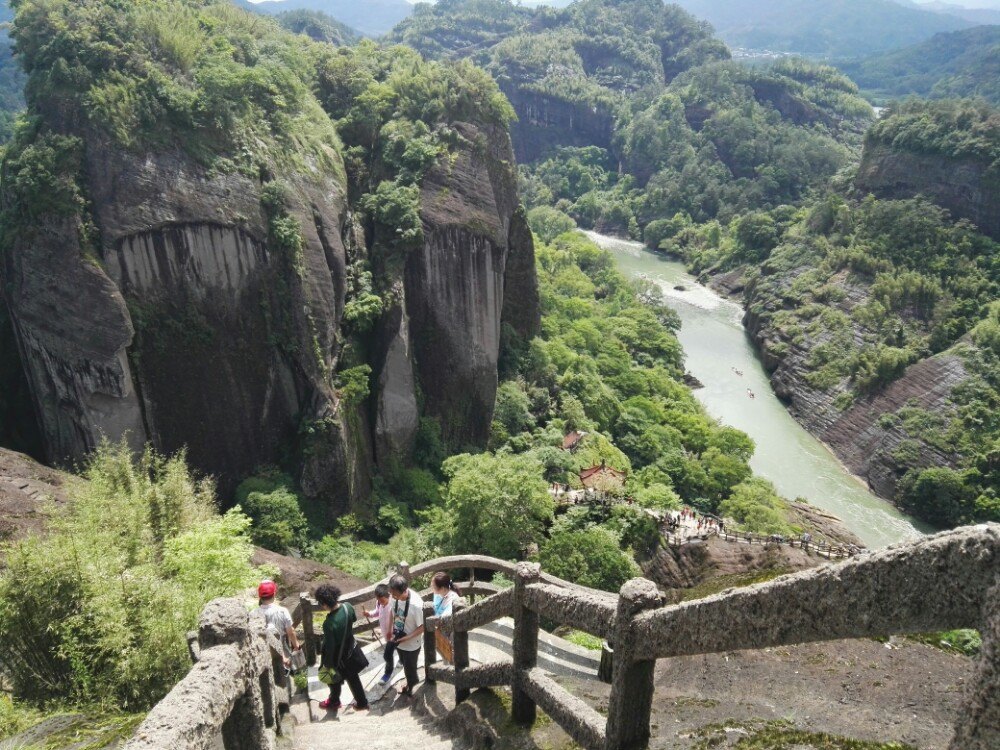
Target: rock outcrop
[[970, 189], [175, 310], [863, 432]]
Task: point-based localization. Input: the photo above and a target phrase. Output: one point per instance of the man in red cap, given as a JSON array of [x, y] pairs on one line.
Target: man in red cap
[[278, 618]]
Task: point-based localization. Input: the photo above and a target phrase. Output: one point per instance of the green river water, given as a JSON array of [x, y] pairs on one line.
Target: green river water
[[714, 344]]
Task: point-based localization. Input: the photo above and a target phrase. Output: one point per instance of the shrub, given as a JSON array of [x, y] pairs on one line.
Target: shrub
[[278, 521], [591, 557], [97, 609]]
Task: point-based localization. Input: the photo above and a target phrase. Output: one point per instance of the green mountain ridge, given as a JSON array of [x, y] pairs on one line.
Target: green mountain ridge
[[370, 17], [823, 28], [956, 64]]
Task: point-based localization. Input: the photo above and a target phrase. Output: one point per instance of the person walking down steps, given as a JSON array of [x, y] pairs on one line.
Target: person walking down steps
[[407, 628], [342, 657], [383, 613]]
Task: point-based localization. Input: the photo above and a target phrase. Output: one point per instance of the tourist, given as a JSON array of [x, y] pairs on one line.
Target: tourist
[[383, 613], [445, 596], [342, 658], [446, 593], [278, 619], [407, 628]]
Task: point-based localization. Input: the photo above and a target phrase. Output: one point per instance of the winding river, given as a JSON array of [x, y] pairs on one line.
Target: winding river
[[715, 346]]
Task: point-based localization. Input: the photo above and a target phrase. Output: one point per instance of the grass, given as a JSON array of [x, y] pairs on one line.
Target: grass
[[782, 735], [966, 642], [733, 581], [585, 640]]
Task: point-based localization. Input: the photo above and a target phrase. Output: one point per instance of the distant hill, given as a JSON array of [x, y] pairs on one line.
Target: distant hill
[[317, 26], [828, 28], [370, 17], [978, 16], [958, 64]]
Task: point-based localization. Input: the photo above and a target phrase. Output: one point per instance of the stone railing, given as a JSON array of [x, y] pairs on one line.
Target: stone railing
[[470, 589], [951, 580], [943, 582], [236, 688], [821, 548]]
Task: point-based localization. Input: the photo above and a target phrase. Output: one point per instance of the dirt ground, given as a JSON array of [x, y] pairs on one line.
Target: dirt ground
[[857, 692]]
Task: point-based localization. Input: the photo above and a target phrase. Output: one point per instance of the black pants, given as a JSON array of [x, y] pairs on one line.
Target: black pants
[[390, 649], [357, 690], [410, 659]]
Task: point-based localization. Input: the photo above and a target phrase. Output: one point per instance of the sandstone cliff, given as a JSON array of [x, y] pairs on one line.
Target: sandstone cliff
[[864, 431], [187, 287], [969, 188]]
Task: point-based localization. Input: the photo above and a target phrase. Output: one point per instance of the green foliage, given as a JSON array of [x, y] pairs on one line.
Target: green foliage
[[278, 521], [756, 506], [371, 561], [492, 505], [353, 384], [397, 208], [96, 610], [15, 717], [959, 129], [318, 26], [957, 64], [964, 641], [548, 223], [231, 89], [591, 557]]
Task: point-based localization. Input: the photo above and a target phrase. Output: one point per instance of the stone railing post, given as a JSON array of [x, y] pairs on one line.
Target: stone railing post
[[632, 675], [525, 646], [430, 645], [404, 570], [308, 633], [978, 726], [223, 622], [460, 654]]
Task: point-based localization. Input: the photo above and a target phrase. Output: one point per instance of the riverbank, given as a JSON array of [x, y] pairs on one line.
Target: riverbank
[[722, 357]]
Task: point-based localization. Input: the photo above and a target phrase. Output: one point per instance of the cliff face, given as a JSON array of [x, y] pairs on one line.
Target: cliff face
[[872, 446], [474, 273], [966, 187], [545, 123], [192, 326]]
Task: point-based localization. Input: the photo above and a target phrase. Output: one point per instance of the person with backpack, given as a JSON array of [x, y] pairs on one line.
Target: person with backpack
[[342, 658], [278, 618], [407, 628], [446, 593]]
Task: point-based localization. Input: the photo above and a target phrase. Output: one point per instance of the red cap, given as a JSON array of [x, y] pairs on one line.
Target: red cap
[[267, 589]]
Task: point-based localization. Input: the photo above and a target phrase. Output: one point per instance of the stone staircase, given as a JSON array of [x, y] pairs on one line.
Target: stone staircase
[[398, 723]]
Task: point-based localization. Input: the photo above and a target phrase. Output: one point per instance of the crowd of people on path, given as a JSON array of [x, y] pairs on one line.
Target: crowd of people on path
[[399, 615]]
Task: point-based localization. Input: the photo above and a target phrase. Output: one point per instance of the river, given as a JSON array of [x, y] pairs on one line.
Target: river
[[715, 344]]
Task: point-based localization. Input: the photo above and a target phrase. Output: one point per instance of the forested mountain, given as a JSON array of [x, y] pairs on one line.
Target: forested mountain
[[875, 308], [370, 17], [825, 28], [956, 64], [647, 88], [317, 26]]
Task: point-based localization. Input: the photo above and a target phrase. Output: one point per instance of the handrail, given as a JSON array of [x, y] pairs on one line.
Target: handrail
[[239, 673], [944, 581], [938, 583]]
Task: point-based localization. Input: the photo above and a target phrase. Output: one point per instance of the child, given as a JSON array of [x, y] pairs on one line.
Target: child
[[383, 612]]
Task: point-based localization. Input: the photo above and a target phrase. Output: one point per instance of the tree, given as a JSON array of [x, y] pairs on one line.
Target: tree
[[513, 408], [548, 223], [278, 521], [493, 505], [756, 506], [591, 557]]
